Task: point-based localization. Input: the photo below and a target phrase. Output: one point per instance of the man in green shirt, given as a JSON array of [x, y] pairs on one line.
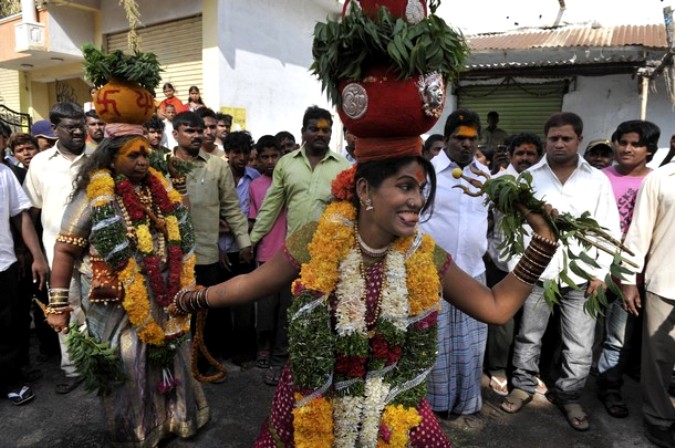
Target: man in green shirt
[[213, 197], [302, 179]]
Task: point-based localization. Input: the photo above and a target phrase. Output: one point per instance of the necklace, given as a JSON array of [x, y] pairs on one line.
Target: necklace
[[366, 249], [378, 304]]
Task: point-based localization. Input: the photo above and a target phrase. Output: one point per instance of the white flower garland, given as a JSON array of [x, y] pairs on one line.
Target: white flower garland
[[352, 412], [350, 292], [376, 392]]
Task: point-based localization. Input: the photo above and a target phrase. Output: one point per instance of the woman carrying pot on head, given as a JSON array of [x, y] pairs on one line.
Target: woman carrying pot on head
[[366, 298], [126, 230]]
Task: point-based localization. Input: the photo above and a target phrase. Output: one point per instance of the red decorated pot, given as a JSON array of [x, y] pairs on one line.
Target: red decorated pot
[[411, 10], [383, 105], [123, 102]]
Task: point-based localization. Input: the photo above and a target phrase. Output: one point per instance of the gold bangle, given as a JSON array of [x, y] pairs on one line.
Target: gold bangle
[[72, 240]]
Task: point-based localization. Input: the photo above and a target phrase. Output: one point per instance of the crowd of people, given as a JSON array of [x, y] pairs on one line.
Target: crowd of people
[[254, 207]]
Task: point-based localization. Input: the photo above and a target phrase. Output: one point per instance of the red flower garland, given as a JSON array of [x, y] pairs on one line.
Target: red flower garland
[[162, 292]]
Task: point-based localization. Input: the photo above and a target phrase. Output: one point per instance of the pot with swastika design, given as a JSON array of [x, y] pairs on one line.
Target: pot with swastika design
[[124, 102]]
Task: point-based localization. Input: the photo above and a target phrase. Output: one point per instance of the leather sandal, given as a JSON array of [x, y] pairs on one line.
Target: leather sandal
[[614, 404], [515, 401]]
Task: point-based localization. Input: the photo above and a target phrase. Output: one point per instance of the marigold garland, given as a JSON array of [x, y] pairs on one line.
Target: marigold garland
[[400, 350], [109, 236]]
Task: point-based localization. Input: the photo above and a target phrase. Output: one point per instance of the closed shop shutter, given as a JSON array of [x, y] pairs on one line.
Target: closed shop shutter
[[10, 89], [521, 107], [178, 46]]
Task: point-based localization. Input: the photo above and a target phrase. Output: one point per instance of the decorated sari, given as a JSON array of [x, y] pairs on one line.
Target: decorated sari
[[363, 339], [158, 397]]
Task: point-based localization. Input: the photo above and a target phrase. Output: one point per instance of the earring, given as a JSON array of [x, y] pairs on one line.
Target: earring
[[369, 205]]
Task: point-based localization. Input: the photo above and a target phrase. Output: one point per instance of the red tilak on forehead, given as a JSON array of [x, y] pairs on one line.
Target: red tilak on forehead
[[421, 175]]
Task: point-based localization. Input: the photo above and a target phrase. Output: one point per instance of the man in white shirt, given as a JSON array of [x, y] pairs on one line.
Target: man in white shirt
[[652, 236], [570, 184], [14, 311], [525, 150], [49, 184], [459, 225]]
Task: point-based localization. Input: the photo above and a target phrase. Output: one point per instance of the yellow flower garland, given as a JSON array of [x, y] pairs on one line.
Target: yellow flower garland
[[136, 300], [313, 423], [330, 244], [399, 420]]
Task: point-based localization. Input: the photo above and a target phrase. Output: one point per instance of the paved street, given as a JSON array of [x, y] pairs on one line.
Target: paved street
[[239, 406]]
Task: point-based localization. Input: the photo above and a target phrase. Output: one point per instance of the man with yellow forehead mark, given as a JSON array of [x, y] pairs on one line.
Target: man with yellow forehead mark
[[302, 178], [459, 225]]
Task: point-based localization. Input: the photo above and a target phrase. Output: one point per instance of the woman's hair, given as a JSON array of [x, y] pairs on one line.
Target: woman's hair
[[377, 171], [195, 89], [101, 158], [168, 85]]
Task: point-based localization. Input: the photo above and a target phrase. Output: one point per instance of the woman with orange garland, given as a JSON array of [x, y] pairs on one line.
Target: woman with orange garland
[[366, 297], [128, 233]]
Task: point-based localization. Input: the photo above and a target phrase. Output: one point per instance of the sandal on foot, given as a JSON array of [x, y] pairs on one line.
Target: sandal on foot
[[614, 404], [515, 401], [21, 397], [541, 389], [575, 415], [263, 360], [272, 375], [68, 385], [499, 385]]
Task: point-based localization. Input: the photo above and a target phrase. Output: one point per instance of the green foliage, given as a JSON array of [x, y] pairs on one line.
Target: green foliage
[[506, 191], [160, 162], [163, 356], [101, 67], [312, 340], [98, 363], [345, 49]]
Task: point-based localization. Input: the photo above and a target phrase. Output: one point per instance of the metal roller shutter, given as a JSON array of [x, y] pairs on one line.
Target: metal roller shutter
[[521, 107], [178, 46]]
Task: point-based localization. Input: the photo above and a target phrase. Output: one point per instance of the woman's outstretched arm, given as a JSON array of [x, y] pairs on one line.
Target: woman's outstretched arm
[[269, 278]]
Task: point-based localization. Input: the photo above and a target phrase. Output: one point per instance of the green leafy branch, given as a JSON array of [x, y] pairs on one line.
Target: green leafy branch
[[97, 362], [101, 67], [507, 192], [346, 49]]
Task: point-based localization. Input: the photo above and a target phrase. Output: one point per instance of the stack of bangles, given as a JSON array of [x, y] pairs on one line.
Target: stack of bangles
[[189, 301], [179, 184], [58, 301], [535, 259]]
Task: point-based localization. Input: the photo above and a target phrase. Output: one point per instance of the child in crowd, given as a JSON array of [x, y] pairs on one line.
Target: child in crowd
[[170, 100], [271, 320], [238, 151], [169, 140], [194, 99]]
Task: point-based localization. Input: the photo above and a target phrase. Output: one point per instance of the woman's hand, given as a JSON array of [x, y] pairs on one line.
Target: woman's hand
[[538, 223], [59, 322]]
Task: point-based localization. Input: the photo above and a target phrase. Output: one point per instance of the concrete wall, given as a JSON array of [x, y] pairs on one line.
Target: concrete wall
[[265, 53], [69, 28], [604, 102]]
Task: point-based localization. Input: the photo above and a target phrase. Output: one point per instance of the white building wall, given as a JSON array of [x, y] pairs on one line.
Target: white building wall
[[69, 28], [604, 102], [265, 53]]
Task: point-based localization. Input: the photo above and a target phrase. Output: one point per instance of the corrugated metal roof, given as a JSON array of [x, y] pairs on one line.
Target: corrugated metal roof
[[648, 36]]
